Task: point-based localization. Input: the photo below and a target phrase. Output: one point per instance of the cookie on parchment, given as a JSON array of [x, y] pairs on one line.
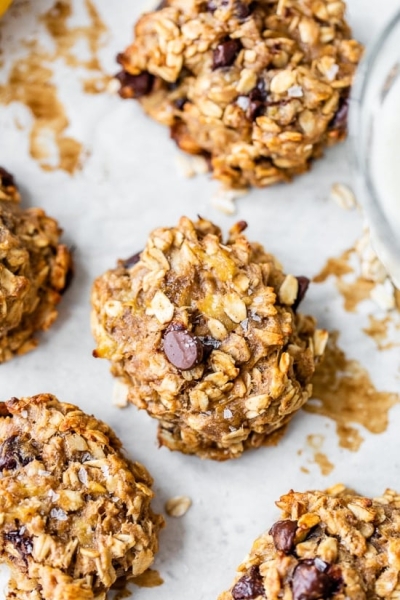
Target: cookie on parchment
[[34, 271], [259, 88], [75, 513], [327, 545], [206, 335]]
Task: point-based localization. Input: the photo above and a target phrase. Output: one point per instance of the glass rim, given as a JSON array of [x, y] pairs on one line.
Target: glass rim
[[376, 218]]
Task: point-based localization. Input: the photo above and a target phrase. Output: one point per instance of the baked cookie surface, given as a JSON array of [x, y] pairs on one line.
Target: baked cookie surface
[[206, 336], [75, 513], [260, 88], [34, 271], [328, 545]]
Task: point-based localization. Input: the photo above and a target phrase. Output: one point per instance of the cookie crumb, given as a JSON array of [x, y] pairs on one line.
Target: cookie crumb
[[178, 506], [343, 196], [120, 394]]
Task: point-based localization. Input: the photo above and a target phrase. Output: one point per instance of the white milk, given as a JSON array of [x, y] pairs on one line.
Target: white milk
[[385, 156], [384, 168]]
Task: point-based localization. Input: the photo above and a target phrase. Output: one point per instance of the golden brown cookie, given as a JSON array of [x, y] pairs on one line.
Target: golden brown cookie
[[206, 335], [75, 513], [34, 271], [260, 88], [332, 544]]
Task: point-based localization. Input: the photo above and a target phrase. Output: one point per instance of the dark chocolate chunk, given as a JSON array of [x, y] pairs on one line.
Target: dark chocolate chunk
[[249, 586], [303, 282], [134, 86], [225, 53], [182, 349], [339, 121], [20, 540], [132, 260], [6, 178], [283, 533], [314, 579]]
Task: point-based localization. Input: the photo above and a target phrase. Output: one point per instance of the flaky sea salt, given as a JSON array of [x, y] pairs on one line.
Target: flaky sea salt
[[83, 476], [53, 495], [59, 514], [296, 91], [243, 102]]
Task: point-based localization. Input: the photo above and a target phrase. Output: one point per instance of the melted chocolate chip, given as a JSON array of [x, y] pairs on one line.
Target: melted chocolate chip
[[339, 121], [6, 178], [182, 349], [225, 53], [162, 4], [249, 586], [132, 260], [303, 282], [134, 86], [314, 579], [257, 97], [283, 533], [20, 540], [16, 451]]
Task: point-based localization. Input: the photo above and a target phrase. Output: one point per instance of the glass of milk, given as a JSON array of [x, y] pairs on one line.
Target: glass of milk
[[375, 134]]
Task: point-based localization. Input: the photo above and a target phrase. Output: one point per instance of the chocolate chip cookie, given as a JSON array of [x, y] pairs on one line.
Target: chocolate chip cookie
[[75, 513], [206, 334], [34, 271], [259, 88], [327, 545]]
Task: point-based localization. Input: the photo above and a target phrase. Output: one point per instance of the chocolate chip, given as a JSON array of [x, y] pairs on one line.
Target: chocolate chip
[[242, 10], [20, 540], [162, 4], [283, 533], [6, 178], [225, 53], [132, 260], [16, 451], [303, 282], [211, 6], [314, 579], [339, 121], [134, 86], [180, 103], [209, 344], [249, 586], [182, 349]]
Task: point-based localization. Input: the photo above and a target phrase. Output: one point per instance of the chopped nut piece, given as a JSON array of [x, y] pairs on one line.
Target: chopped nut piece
[[211, 336], [178, 506]]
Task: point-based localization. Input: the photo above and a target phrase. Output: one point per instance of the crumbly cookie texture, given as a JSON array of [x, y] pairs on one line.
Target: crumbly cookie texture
[[205, 333], [34, 271], [258, 87], [75, 513], [330, 544]]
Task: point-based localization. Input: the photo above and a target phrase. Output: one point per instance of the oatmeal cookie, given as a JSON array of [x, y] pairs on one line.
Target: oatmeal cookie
[[331, 544], [75, 513], [257, 87], [206, 335], [34, 271]]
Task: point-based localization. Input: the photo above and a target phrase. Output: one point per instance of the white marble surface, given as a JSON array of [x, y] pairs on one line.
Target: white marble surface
[[129, 184]]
